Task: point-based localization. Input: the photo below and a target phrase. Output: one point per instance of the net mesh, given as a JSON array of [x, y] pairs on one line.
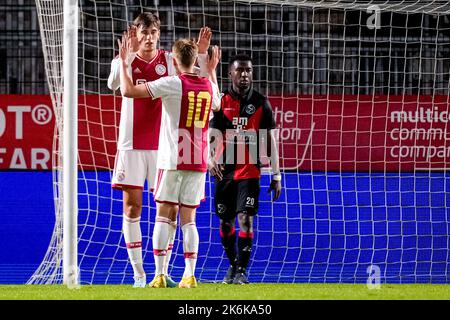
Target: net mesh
[[359, 90]]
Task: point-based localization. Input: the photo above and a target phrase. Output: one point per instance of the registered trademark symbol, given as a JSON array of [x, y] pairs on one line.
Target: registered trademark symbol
[[41, 114]]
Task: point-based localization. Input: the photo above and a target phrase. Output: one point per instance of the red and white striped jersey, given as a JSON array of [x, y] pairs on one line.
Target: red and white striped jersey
[[187, 100], [140, 118]]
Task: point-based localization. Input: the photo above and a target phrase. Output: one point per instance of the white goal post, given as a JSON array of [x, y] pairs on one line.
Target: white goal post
[[70, 143]]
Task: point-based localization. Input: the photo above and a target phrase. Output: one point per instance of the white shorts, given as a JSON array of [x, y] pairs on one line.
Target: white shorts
[[181, 187], [133, 167]]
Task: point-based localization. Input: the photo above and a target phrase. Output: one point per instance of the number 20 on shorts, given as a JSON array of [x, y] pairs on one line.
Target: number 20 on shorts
[[195, 104]]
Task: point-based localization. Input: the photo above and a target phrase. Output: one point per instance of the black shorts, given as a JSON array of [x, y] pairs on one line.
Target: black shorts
[[234, 196]]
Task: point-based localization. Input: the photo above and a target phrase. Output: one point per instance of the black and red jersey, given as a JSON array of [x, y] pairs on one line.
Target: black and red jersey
[[245, 124]]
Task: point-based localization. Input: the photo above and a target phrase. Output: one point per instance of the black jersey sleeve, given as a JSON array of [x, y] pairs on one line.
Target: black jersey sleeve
[[267, 121], [217, 120]]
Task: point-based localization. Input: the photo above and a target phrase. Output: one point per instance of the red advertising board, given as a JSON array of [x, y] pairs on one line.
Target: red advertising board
[[363, 132], [321, 133], [26, 131]]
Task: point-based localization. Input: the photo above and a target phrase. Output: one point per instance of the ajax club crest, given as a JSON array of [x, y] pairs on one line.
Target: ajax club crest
[[121, 175], [160, 69]]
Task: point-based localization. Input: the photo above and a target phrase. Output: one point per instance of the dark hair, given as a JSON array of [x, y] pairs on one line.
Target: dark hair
[[239, 57], [146, 20]]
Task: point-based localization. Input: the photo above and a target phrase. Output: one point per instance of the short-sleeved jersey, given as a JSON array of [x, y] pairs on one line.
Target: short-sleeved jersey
[[187, 100], [140, 118], [241, 122]]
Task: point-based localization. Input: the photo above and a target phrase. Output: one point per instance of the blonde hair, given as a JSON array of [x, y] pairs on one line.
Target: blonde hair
[[185, 51]]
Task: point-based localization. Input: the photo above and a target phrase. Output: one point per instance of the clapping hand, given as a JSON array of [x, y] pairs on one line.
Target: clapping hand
[[204, 39], [213, 60], [125, 47]]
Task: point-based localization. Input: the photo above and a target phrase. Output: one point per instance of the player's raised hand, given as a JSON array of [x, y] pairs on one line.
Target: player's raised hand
[[125, 48], [275, 186], [122, 47], [204, 39], [213, 60], [211, 63], [132, 36]]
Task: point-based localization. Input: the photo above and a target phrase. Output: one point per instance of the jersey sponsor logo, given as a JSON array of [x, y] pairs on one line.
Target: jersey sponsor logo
[[137, 70], [141, 81], [240, 123], [250, 109], [160, 69]]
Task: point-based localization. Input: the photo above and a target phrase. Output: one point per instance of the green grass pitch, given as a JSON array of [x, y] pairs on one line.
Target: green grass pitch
[[208, 291]]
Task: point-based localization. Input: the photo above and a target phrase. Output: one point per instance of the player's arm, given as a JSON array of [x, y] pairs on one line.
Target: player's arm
[[212, 62], [127, 86], [204, 40], [275, 164], [214, 167], [114, 75], [269, 124], [212, 65], [215, 142], [216, 99]]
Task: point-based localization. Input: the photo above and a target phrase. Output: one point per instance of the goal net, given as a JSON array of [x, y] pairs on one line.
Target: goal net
[[360, 91]]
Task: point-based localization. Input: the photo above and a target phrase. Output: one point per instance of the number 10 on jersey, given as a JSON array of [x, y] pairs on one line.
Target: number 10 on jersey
[[195, 106]]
